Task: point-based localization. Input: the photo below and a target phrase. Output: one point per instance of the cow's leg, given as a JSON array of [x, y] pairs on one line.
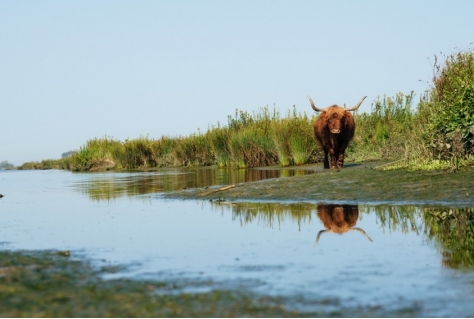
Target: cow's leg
[[340, 161], [334, 155], [326, 160]]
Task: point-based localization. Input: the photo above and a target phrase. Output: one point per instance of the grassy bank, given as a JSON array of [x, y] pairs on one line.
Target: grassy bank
[[248, 140], [262, 138], [435, 133]]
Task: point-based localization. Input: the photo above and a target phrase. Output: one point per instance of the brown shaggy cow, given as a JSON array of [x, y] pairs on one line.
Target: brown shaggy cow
[[334, 129], [339, 219]]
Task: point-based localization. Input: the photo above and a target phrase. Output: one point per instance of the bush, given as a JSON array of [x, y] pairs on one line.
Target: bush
[[96, 154], [449, 108]]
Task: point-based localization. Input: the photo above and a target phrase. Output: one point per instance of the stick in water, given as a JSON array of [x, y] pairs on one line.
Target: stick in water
[[217, 190]]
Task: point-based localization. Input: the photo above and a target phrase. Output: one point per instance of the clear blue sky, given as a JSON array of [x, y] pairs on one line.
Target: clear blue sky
[[72, 70]]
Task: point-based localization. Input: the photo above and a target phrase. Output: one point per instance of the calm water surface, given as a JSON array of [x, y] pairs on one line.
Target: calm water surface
[[398, 257]]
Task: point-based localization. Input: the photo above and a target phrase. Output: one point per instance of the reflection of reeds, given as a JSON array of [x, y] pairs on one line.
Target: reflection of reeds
[[109, 186], [271, 214], [394, 218], [451, 229], [398, 218], [454, 230]]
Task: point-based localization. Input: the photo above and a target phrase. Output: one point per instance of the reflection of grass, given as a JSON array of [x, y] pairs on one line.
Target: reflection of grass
[[454, 230], [112, 185], [271, 214], [398, 218]]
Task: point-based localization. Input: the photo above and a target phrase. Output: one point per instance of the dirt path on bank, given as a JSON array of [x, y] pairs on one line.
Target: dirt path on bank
[[356, 183]]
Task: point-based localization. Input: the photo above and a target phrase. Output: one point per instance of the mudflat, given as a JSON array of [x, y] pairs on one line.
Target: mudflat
[[360, 183]]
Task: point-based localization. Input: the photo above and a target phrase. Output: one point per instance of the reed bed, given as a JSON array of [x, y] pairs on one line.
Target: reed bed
[[436, 134], [391, 131], [262, 138]]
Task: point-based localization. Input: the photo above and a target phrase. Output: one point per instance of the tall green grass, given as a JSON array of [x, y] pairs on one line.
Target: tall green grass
[[96, 154], [262, 138], [436, 133], [63, 163], [391, 131]]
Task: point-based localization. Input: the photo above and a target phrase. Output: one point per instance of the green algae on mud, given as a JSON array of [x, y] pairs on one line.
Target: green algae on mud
[[355, 183], [52, 284]]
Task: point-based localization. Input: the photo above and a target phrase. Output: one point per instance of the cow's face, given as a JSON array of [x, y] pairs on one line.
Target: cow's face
[[335, 116]]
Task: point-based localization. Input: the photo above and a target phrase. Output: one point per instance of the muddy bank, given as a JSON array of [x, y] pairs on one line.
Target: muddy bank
[[49, 284], [356, 183]]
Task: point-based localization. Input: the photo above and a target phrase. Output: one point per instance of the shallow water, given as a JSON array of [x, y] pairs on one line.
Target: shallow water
[[413, 264]]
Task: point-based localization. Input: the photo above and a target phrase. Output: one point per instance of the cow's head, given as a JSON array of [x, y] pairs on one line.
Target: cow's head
[[339, 219], [334, 115]]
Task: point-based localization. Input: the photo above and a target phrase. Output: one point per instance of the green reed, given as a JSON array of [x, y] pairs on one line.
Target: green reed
[[63, 163], [390, 132], [438, 133], [262, 138]]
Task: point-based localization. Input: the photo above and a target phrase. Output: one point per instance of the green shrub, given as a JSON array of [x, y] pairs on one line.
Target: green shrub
[[97, 153], [449, 108]]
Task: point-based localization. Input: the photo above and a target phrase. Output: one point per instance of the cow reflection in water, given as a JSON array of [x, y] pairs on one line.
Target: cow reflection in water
[[339, 219]]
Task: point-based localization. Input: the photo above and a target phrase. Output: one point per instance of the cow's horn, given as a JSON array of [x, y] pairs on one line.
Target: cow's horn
[[357, 106], [362, 232], [314, 106], [319, 235]]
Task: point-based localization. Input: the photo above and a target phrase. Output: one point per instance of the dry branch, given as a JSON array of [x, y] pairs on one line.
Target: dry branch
[[217, 190]]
